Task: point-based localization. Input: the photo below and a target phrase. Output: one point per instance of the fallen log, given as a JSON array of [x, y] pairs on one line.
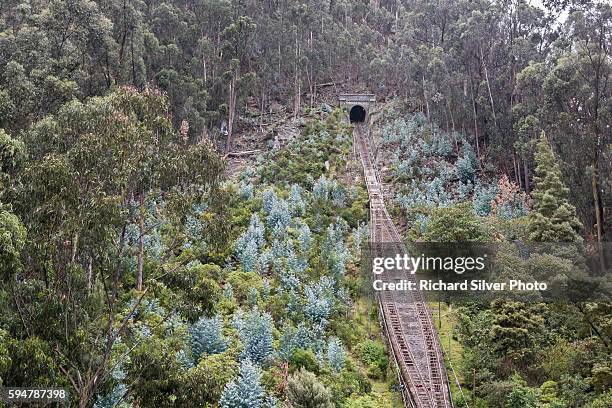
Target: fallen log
[[243, 153]]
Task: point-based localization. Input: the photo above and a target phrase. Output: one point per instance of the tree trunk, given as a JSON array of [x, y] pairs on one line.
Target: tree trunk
[[425, 99], [518, 172], [488, 87], [141, 231], [89, 274], [296, 84], [132, 56], [311, 76], [598, 215], [262, 108], [526, 174], [475, 125], [231, 112], [84, 397], [450, 111], [205, 69], [514, 167], [75, 244]]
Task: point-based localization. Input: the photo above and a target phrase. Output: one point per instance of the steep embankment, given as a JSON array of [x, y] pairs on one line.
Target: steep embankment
[[300, 215]]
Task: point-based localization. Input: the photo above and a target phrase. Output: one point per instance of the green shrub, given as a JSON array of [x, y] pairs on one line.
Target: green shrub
[[203, 384], [603, 401], [301, 358], [374, 355], [457, 223], [350, 382], [242, 282], [304, 390]]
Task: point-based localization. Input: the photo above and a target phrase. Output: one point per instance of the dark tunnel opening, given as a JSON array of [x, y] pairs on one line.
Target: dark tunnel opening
[[357, 114]]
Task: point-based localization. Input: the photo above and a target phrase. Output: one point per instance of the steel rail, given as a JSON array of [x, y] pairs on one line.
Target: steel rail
[[405, 316]]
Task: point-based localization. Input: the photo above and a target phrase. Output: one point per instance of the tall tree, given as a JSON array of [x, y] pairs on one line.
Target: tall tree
[[89, 167], [553, 218], [237, 47]]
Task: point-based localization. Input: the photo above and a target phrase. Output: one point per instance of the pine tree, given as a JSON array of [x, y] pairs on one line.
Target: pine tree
[[336, 252], [246, 390], [286, 347], [185, 359], [289, 281], [255, 331], [465, 169], [338, 195], [296, 264], [336, 261], [228, 291], [336, 356], [442, 145], [279, 217], [296, 203], [334, 237], [246, 191], [193, 227], [464, 190], [305, 238], [293, 339], [321, 189], [264, 261], [207, 337], [279, 250], [249, 244], [247, 255], [483, 197], [269, 198], [252, 296], [360, 234], [193, 223], [294, 303], [265, 290], [256, 231], [319, 301], [554, 218], [116, 397]]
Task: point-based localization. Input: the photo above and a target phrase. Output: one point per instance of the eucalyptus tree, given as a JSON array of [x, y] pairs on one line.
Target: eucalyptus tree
[[237, 43], [573, 84], [88, 165], [12, 231], [586, 72]]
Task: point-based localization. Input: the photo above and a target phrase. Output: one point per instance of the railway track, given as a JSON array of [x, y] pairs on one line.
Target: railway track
[[405, 316]]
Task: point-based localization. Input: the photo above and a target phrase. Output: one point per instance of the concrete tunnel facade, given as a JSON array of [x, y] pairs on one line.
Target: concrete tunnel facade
[[358, 105]]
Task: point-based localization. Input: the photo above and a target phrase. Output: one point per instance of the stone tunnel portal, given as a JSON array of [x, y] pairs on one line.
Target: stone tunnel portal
[[357, 114]]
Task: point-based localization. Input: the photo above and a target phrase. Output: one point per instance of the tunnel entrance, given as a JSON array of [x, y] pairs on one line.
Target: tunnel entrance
[[357, 114]]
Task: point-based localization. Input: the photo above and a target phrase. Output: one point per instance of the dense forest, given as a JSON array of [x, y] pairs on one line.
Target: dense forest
[[142, 265], [499, 71]]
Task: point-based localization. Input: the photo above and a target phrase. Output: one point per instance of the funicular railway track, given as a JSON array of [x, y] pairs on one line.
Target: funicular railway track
[[405, 317]]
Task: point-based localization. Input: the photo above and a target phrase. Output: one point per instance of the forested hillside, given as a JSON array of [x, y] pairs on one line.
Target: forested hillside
[[505, 352], [134, 272], [498, 71]]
